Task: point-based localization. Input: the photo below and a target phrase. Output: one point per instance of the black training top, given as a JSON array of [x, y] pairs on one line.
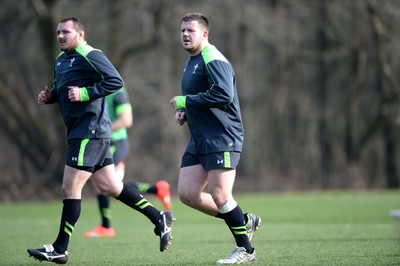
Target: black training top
[[93, 73], [212, 105]]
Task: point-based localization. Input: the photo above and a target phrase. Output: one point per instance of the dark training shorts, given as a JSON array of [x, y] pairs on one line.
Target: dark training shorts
[[89, 154], [119, 150], [212, 161]]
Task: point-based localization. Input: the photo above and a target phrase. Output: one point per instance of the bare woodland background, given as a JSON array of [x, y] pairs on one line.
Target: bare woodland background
[[318, 82]]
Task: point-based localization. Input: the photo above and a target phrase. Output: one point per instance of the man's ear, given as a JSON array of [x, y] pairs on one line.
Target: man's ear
[[82, 35]]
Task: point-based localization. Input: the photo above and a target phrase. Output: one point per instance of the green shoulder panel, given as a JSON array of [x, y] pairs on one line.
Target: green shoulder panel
[[210, 53], [84, 49]]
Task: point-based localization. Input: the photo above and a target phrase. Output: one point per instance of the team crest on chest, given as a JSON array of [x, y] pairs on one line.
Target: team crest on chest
[[194, 68], [71, 62]]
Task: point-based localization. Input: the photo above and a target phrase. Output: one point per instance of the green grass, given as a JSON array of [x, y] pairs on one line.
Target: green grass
[[315, 228]]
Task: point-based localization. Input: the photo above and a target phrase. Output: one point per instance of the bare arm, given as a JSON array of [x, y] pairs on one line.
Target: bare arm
[[124, 120]]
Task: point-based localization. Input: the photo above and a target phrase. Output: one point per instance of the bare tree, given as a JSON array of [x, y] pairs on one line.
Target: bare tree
[[316, 80]]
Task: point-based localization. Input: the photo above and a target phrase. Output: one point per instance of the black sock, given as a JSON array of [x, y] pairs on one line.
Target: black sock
[[70, 215], [131, 197], [220, 216], [105, 211], [235, 221]]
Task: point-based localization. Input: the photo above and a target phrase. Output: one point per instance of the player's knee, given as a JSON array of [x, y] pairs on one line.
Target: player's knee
[[67, 191], [105, 189], [114, 190], [219, 197], [186, 198], [183, 197]]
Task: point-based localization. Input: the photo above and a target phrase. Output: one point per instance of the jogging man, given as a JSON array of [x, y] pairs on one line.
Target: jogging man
[[209, 104], [83, 76]]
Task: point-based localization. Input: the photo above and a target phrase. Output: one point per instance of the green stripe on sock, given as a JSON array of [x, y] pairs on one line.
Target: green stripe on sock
[[107, 213], [239, 230], [143, 203], [69, 228], [143, 188]]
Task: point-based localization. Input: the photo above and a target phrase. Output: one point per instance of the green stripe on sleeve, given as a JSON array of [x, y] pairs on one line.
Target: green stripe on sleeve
[[180, 102], [84, 95]]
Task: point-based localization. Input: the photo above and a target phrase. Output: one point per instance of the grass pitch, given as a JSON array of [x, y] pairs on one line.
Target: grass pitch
[[313, 228]]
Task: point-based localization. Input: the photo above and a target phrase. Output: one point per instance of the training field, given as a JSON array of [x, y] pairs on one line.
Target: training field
[[313, 228]]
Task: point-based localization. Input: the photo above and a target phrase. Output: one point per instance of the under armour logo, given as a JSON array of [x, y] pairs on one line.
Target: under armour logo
[[220, 161], [74, 159]]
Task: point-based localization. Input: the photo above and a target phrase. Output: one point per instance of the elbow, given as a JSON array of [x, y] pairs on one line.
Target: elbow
[[129, 120], [129, 123]]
